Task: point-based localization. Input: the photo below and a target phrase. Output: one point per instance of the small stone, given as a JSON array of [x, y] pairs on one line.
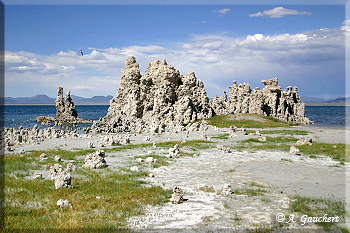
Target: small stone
[[71, 166], [262, 139], [43, 157], [294, 151], [134, 169], [150, 160], [140, 160], [37, 176], [64, 203], [58, 158], [227, 190], [177, 196], [151, 175]]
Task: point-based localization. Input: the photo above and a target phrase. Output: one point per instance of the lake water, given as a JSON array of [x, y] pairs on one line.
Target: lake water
[[16, 115]]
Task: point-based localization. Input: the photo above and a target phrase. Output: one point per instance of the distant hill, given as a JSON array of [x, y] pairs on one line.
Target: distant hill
[[313, 101], [44, 99]]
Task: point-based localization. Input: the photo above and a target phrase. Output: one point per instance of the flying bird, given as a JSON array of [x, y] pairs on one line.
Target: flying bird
[[81, 51]]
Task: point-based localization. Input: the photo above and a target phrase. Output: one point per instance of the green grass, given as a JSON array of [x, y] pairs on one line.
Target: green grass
[[193, 145], [225, 121], [339, 153], [161, 160], [221, 136], [122, 196], [272, 143], [313, 207], [285, 132], [250, 192], [254, 184]]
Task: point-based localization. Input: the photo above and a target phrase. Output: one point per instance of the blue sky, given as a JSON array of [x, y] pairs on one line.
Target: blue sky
[[303, 45]]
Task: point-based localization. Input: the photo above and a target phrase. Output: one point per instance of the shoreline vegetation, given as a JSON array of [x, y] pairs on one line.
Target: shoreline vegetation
[[107, 198]]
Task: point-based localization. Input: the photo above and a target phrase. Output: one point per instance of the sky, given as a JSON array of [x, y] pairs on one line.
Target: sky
[[302, 45]]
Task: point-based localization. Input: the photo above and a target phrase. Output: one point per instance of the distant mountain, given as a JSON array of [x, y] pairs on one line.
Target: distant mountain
[[340, 101], [44, 99]]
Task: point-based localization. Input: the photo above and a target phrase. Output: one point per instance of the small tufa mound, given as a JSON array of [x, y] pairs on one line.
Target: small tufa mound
[[294, 151], [37, 176], [177, 196], [64, 203], [60, 176], [135, 169], [304, 141], [227, 190], [223, 149], [90, 144], [174, 152], [43, 157], [95, 160], [71, 166]]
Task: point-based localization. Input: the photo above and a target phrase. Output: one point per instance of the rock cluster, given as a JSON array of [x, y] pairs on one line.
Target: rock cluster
[[60, 176], [13, 136], [95, 160], [161, 100], [270, 101]]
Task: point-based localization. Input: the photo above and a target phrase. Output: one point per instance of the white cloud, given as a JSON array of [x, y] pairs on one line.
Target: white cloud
[[279, 12], [301, 59], [222, 11], [346, 25]]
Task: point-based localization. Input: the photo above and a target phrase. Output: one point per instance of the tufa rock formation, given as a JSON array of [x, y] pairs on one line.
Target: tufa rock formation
[[65, 111], [159, 101], [163, 100], [270, 101]]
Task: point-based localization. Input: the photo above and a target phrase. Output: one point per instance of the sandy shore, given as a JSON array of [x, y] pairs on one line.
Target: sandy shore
[[279, 174]]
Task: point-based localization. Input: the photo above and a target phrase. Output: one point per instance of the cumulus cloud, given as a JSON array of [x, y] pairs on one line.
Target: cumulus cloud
[[222, 11], [279, 12], [310, 60]]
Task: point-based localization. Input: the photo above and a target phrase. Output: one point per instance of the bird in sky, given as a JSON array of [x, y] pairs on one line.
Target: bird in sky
[[81, 51]]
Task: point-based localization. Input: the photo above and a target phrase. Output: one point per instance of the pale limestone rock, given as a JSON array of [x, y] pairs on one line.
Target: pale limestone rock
[[71, 166], [161, 100], [294, 151], [64, 203], [270, 101], [58, 158], [177, 196], [227, 190], [223, 149], [134, 169], [174, 152], [262, 139], [95, 160], [61, 178], [304, 141], [43, 157]]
